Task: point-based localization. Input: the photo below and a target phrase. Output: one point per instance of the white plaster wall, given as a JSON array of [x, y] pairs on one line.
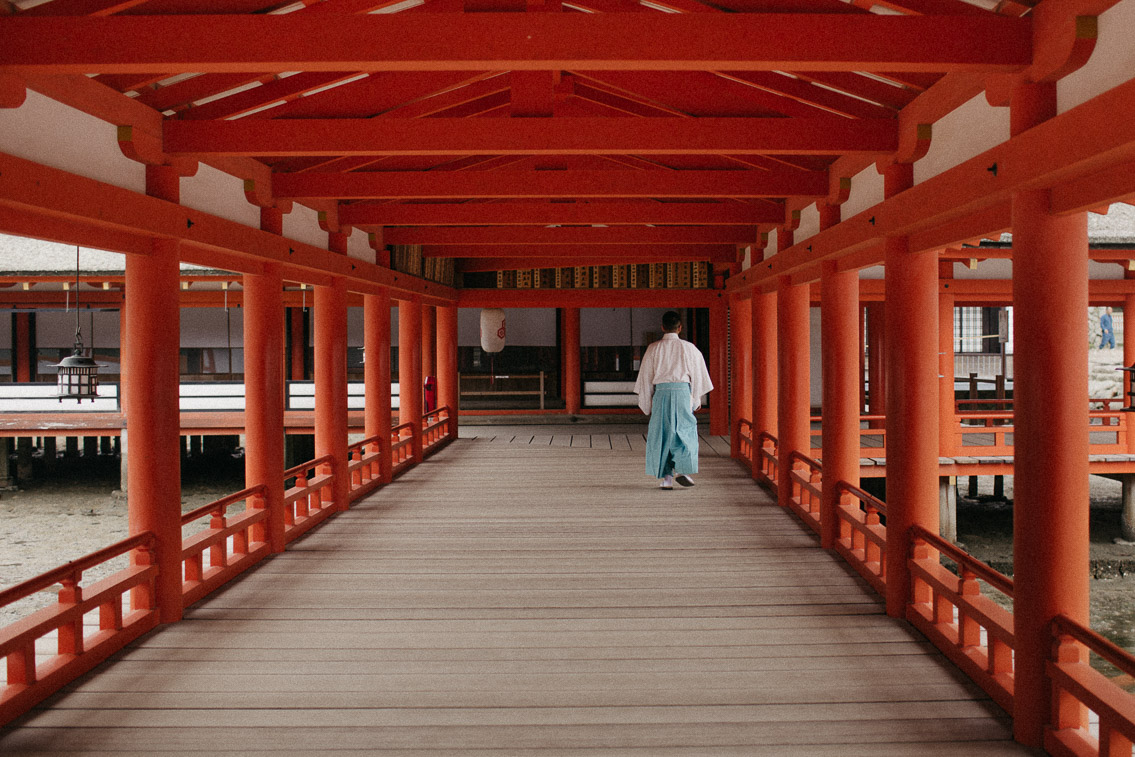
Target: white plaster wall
[[302, 225], [969, 130], [205, 327], [358, 246], [56, 328], [527, 327], [1098, 270], [866, 191], [995, 268], [25, 254], [1112, 61], [771, 248], [874, 272], [218, 193], [809, 223], [56, 135]]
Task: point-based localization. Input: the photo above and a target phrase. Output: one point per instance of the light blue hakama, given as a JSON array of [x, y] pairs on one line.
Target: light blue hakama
[[672, 437]]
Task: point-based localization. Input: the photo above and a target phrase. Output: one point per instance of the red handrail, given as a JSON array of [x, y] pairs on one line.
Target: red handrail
[[222, 504]]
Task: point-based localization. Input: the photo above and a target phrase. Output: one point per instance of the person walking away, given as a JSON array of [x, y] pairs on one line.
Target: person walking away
[[672, 379], [1107, 330]]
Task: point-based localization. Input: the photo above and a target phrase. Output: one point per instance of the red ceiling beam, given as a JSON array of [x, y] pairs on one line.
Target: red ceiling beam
[[1090, 139], [42, 190], [515, 41], [564, 254], [545, 213], [517, 235], [482, 265], [532, 136], [589, 298], [449, 185]]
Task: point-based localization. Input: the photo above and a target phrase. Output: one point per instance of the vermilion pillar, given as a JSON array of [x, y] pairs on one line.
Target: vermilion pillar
[[573, 380], [793, 379], [376, 375], [876, 361], [839, 338], [447, 363], [410, 371], [151, 389], [719, 367], [264, 389], [912, 397], [298, 345], [741, 333], [1050, 463], [330, 332], [764, 375], [947, 407], [429, 340]]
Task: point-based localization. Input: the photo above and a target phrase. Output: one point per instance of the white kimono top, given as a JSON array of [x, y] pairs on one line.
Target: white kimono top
[[672, 359]]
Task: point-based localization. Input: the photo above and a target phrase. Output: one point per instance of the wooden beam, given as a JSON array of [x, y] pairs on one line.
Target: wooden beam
[[515, 41], [531, 136], [25, 185], [549, 255], [572, 235], [589, 298], [661, 255], [572, 213], [451, 185]]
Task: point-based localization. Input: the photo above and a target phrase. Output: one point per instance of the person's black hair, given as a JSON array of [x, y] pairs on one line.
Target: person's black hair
[[671, 320]]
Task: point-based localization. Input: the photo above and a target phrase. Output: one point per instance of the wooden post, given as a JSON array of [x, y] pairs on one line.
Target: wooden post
[[330, 315], [740, 314], [151, 389], [376, 375], [264, 391], [912, 404], [569, 323], [793, 380], [839, 338], [764, 374], [1050, 530], [719, 367], [410, 372], [447, 364]]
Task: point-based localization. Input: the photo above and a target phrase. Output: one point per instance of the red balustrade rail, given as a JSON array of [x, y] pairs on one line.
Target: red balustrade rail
[[1079, 688], [435, 429], [364, 467], [401, 447], [233, 543], [766, 461], [311, 498], [805, 476], [862, 538], [970, 628], [745, 439], [125, 605]]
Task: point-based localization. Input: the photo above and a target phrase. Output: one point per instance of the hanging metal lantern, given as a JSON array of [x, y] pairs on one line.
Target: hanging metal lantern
[[78, 375]]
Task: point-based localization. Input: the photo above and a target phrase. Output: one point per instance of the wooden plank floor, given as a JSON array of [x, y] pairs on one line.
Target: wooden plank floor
[[534, 599]]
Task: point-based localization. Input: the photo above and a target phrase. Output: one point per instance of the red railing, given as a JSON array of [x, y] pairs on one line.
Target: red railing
[[766, 461], [805, 476], [970, 628], [123, 600], [745, 437], [862, 538], [1078, 689], [401, 448], [363, 466], [311, 498], [435, 429], [233, 543]]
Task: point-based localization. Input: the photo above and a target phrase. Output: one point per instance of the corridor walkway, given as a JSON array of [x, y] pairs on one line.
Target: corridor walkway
[[517, 598]]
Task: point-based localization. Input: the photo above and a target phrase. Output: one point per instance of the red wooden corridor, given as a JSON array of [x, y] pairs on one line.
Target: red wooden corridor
[[511, 596]]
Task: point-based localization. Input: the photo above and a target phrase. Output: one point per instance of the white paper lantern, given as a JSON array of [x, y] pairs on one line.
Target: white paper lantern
[[492, 329]]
